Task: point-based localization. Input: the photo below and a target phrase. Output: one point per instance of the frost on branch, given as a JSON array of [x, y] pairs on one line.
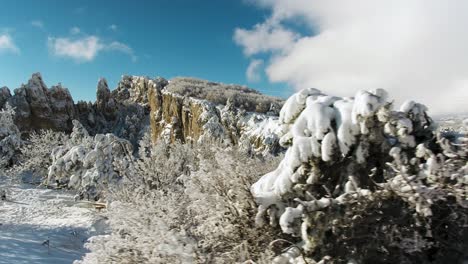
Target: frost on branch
[[350, 161]]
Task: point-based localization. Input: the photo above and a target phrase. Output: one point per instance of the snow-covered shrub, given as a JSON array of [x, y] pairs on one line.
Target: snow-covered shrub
[[147, 209], [88, 164], [141, 234], [10, 138], [357, 171], [221, 208], [35, 153], [180, 203], [159, 165]]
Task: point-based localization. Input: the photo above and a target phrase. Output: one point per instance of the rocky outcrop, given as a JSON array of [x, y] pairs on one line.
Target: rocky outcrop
[[175, 117], [122, 112], [4, 95], [135, 89], [185, 109], [38, 107]]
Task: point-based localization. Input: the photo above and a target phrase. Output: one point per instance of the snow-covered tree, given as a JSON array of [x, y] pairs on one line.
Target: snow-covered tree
[[10, 138], [35, 158], [87, 163], [357, 171]]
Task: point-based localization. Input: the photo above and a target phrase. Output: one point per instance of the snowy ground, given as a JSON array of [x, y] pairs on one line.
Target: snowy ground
[[31, 216]]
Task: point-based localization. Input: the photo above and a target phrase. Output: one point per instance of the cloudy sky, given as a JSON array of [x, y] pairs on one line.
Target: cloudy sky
[[415, 49]]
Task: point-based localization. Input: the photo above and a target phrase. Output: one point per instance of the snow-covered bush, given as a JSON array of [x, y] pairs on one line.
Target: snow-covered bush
[[88, 164], [10, 138], [186, 204], [35, 153], [159, 165], [357, 171], [221, 208], [151, 198], [141, 234]]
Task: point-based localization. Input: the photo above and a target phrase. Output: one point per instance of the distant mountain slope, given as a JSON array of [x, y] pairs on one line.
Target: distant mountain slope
[[219, 93]]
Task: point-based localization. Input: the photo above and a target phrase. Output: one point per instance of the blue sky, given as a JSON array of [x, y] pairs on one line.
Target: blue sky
[[416, 50], [155, 38]]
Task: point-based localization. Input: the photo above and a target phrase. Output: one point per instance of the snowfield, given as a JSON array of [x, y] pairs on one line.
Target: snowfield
[[33, 217]]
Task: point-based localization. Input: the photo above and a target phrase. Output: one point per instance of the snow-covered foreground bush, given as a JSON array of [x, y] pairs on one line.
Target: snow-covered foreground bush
[[184, 204], [88, 164], [363, 183]]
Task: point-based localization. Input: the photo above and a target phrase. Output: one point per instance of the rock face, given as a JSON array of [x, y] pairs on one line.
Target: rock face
[[135, 89], [38, 107], [122, 112], [184, 109], [4, 95], [175, 117]]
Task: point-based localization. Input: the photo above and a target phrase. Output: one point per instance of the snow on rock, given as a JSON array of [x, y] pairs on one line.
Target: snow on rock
[[38, 107], [261, 132]]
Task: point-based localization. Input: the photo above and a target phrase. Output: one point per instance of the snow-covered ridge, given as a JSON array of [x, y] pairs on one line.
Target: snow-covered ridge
[[219, 93]]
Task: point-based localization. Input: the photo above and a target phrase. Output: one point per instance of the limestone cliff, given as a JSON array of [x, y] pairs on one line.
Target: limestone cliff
[[175, 117], [183, 109]]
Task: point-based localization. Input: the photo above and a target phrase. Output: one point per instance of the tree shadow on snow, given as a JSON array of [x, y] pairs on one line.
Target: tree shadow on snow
[[31, 244]]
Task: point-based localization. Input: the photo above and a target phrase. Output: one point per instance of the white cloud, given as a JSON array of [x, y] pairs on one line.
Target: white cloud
[[414, 49], [85, 49], [37, 23], [113, 27], [268, 36], [253, 71], [8, 45], [75, 30], [118, 46]]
